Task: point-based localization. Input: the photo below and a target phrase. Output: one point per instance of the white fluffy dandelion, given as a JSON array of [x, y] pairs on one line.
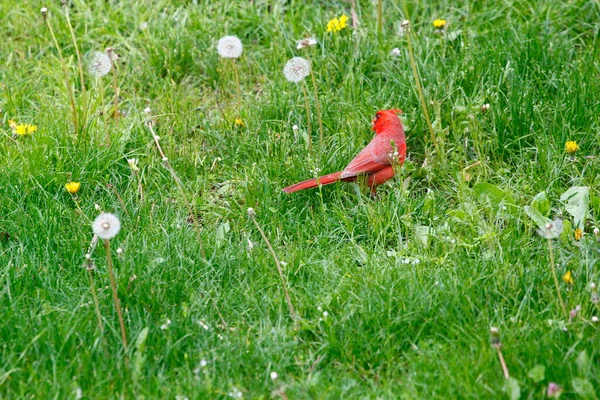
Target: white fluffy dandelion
[[106, 226], [230, 47], [395, 52], [304, 43], [296, 69], [99, 64]]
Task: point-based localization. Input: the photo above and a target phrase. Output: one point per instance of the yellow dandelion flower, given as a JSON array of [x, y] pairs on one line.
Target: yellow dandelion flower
[[343, 21], [578, 233], [21, 129], [31, 128], [337, 24], [12, 124], [568, 278], [439, 23], [571, 147], [73, 187], [239, 122]]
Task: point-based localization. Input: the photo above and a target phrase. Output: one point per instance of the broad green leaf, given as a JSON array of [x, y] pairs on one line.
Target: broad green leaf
[[140, 342], [583, 363], [540, 202], [537, 217], [577, 202], [537, 373], [493, 194], [422, 233], [584, 388], [512, 388]]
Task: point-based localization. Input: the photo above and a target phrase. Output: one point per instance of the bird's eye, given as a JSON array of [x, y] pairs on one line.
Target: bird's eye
[[377, 116]]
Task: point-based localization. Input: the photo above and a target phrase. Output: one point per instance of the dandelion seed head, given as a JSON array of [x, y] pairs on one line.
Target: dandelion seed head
[[251, 212], [99, 64], [203, 363], [230, 47], [106, 226], [44, 11], [395, 52], [552, 230], [296, 69], [595, 319], [165, 159], [295, 128], [274, 375]]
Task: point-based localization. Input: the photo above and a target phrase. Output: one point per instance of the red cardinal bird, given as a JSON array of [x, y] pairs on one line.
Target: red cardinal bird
[[374, 162]]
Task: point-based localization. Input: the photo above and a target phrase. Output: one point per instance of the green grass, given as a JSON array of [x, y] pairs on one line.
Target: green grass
[[406, 319]]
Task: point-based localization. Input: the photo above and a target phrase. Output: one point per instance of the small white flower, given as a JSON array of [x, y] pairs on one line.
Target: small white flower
[[251, 212], [133, 164], [283, 263], [143, 25], [97, 207], [120, 251], [274, 375], [404, 27], [165, 325], [148, 110], [230, 47], [250, 245], [304, 43], [44, 11], [203, 363], [395, 52], [106, 226], [325, 314], [296, 69], [295, 128], [165, 159], [595, 319], [596, 231], [78, 393], [99, 64], [203, 325], [485, 107], [235, 393]]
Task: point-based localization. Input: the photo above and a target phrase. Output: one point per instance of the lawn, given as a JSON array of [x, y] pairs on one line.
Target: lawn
[[471, 274]]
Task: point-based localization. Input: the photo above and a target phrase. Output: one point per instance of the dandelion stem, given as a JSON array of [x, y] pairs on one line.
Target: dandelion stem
[[502, 362], [308, 125], [283, 282], [379, 16], [79, 63], [418, 83], [116, 98], [179, 186], [238, 88], [66, 76], [354, 16], [95, 298], [551, 251], [113, 286], [317, 104]]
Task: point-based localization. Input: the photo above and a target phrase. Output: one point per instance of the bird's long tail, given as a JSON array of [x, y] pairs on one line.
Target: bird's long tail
[[313, 183]]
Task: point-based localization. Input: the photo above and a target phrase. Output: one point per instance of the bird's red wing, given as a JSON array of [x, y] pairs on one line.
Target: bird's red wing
[[374, 157]]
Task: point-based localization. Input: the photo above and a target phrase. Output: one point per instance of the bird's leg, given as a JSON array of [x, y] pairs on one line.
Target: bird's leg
[[374, 193]]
